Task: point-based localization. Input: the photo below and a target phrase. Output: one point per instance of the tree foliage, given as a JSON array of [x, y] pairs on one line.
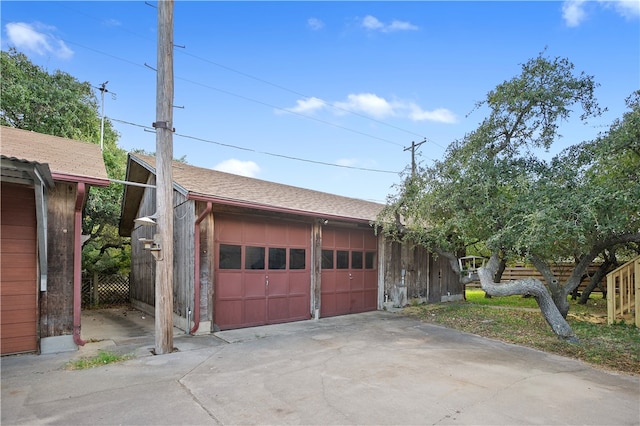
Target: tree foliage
[[493, 194], [58, 104]]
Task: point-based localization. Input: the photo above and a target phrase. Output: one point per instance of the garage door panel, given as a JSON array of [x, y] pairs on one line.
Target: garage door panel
[[232, 311], [229, 286], [18, 254], [18, 344], [18, 246], [299, 307], [342, 283], [276, 292], [357, 301], [352, 279], [278, 309], [371, 300], [17, 260], [255, 311], [299, 284], [254, 285]]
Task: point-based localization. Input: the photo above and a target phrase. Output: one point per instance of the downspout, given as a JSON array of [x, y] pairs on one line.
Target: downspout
[[77, 264], [196, 274]]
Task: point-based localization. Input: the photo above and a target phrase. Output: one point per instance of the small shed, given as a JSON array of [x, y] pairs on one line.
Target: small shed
[[45, 181], [249, 252]]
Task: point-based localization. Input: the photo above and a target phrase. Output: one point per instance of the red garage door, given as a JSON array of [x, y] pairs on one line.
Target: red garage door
[[349, 275], [18, 258], [262, 272]]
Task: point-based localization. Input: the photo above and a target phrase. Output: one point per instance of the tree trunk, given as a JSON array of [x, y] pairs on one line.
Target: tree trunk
[[527, 286], [596, 278]]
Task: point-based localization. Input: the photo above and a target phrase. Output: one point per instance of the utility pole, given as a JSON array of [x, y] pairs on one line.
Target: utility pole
[[103, 90], [164, 180], [413, 155]]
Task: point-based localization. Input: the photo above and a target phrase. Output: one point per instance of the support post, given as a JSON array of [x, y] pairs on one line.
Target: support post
[[164, 180]]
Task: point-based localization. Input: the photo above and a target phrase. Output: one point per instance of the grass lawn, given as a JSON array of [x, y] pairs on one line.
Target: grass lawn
[[518, 320]]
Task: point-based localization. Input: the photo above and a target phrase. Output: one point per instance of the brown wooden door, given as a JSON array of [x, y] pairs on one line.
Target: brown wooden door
[[262, 273], [18, 258], [349, 272]]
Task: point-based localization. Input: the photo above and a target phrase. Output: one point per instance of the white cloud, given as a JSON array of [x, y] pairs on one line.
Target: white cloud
[[377, 107], [111, 23], [574, 11], [629, 9], [440, 115], [367, 103], [37, 38], [347, 162], [315, 24], [308, 105], [238, 167], [374, 24]]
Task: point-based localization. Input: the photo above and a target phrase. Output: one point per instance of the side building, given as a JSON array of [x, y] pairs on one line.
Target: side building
[[45, 182], [249, 252]]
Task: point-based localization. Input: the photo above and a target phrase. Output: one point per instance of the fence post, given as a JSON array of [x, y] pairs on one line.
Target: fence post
[[636, 279], [96, 289]]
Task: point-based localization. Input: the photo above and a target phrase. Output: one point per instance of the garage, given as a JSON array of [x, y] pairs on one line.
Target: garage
[[262, 272], [18, 254], [349, 273]]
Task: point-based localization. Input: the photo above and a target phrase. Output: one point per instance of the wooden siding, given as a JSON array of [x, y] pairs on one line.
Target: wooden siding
[[426, 277], [143, 267], [56, 305], [18, 259], [183, 256]]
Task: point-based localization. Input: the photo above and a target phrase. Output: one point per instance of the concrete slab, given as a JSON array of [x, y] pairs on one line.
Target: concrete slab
[[373, 368]]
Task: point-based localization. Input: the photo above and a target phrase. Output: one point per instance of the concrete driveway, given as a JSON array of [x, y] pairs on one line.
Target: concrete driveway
[[372, 368]]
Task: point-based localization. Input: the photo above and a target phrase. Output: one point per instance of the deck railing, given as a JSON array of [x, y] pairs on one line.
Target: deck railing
[[623, 292]]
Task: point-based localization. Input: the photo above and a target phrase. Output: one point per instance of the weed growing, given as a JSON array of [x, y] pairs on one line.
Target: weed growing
[[103, 358]]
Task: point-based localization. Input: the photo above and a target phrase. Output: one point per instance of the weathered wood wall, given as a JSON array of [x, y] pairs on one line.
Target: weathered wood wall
[[183, 256], [207, 275], [425, 277], [56, 304], [143, 268]]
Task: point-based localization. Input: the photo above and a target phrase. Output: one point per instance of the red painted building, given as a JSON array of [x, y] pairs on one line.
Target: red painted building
[[249, 252]]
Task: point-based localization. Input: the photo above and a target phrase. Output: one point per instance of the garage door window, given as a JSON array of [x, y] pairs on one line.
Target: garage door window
[[327, 259], [370, 260], [342, 259], [356, 260], [277, 258], [254, 257], [297, 258], [230, 256]]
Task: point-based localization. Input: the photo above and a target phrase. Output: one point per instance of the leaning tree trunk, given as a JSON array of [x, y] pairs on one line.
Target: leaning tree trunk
[[595, 280], [527, 286]]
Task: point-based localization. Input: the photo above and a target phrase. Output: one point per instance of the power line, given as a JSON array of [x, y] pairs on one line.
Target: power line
[[250, 76], [241, 148]]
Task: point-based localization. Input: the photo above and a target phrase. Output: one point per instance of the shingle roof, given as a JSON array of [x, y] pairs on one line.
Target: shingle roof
[[206, 183], [67, 158]]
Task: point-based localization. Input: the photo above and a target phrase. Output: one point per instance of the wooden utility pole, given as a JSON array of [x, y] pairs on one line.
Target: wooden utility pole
[[413, 155], [164, 180]]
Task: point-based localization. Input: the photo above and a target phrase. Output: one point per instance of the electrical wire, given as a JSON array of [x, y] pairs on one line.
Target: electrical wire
[[288, 157]]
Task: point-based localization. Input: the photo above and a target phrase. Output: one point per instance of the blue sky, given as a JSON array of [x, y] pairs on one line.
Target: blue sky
[[342, 83]]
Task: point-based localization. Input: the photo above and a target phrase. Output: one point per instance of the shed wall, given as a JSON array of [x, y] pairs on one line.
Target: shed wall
[[56, 304]]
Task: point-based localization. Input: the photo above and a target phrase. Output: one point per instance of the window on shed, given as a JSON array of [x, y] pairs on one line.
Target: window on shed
[[297, 258], [254, 257], [277, 258], [230, 257], [356, 260], [342, 259], [370, 260], [327, 259]]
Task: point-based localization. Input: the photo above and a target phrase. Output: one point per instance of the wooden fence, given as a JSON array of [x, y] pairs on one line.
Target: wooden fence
[[100, 289], [623, 292], [562, 271]]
